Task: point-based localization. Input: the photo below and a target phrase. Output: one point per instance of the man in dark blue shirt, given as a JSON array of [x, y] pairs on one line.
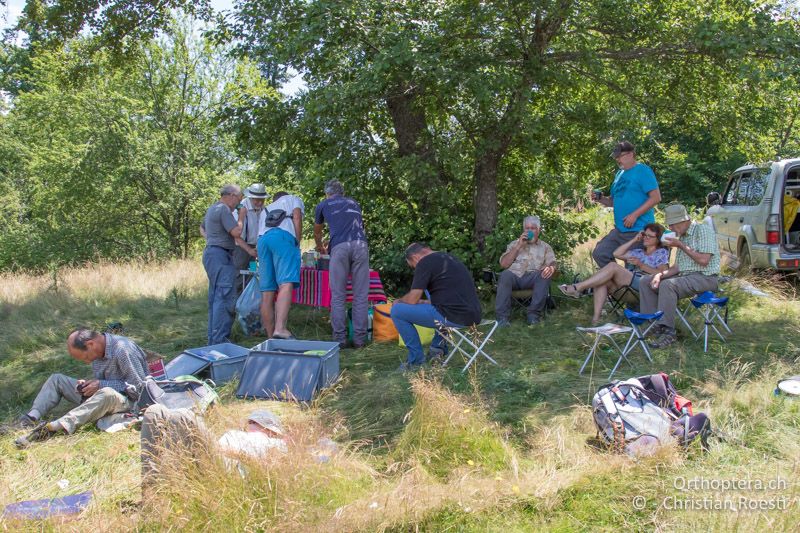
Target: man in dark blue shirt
[[349, 257]]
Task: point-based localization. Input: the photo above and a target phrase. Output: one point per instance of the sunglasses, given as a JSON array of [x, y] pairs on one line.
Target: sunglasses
[[649, 235]]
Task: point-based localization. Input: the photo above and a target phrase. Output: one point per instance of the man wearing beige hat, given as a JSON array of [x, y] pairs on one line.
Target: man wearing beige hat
[[695, 270], [251, 214]]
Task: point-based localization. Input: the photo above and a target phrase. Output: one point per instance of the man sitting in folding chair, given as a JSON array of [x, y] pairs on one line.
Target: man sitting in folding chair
[[696, 270], [530, 264], [645, 253], [453, 301]]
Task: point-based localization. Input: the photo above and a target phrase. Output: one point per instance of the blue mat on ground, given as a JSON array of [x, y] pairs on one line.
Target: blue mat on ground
[[38, 509]]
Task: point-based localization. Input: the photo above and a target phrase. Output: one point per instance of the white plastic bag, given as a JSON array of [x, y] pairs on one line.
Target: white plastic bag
[[248, 308]]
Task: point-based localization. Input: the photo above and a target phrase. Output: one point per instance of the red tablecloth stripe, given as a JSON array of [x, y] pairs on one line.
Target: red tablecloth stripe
[[315, 288]]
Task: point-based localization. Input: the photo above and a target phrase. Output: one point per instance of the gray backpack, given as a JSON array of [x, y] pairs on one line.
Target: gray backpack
[[637, 415], [627, 419], [183, 392]]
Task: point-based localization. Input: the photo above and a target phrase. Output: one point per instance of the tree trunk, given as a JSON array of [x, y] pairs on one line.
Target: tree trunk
[[413, 140], [485, 173]]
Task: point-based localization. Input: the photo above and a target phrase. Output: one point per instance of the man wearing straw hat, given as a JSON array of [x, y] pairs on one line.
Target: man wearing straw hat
[[695, 270], [251, 215]]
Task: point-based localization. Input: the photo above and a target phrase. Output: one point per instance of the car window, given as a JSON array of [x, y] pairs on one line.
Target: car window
[[729, 197], [758, 186]]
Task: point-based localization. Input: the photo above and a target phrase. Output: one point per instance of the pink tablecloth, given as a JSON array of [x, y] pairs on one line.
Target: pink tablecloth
[[315, 288]]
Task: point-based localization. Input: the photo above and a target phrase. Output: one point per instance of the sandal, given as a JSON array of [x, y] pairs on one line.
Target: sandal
[[288, 337], [569, 290]]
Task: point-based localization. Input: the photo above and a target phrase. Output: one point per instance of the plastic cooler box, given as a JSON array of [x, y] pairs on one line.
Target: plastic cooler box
[[220, 362], [283, 370]]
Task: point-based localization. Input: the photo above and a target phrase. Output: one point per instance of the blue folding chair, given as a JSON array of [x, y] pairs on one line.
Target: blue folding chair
[[637, 338], [710, 306]]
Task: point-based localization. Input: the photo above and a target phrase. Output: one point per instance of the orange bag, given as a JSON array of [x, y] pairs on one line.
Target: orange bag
[[383, 329]]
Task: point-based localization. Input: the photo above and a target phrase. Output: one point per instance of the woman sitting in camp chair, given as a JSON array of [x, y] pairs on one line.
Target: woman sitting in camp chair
[[650, 258]]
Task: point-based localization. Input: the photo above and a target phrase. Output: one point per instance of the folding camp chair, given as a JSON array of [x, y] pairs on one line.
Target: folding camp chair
[[622, 298], [520, 298], [637, 338], [458, 336], [606, 333], [710, 308]]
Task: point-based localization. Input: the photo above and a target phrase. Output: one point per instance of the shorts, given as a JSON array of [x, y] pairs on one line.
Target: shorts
[[637, 277], [278, 260]]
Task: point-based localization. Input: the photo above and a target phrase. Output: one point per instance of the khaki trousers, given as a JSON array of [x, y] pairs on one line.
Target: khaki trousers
[[104, 402], [669, 291]]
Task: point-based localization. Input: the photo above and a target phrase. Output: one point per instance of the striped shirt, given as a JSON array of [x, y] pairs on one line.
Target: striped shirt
[[123, 364], [700, 238]]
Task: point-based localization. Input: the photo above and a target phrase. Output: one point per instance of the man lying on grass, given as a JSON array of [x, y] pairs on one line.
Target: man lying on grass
[[119, 367]]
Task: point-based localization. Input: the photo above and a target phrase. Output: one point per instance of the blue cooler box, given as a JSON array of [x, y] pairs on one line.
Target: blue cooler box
[[284, 370], [221, 362]]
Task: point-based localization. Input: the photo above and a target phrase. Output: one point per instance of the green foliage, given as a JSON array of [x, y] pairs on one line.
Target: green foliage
[[103, 160]]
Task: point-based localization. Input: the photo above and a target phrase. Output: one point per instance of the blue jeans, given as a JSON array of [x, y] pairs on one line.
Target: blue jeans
[[405, 316], [221, 273]]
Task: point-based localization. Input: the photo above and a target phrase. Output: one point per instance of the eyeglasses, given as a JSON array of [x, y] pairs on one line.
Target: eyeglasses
[[649, 236]]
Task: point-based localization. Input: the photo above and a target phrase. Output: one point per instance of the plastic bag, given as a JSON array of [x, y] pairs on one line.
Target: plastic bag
[[248, 308]]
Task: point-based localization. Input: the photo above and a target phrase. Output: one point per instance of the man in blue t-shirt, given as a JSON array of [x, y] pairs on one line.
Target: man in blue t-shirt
[[349, 257], [634, 193]]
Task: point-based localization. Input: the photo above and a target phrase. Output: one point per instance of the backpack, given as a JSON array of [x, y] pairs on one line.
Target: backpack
[[275, 217], [637, 415], [183, 392]]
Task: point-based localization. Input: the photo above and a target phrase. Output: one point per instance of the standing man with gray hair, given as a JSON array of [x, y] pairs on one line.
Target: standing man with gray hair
[[349, 257], [530, 264], [222, 230]]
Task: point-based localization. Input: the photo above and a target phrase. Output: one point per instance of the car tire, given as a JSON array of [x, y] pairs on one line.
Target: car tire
[[745, 262]]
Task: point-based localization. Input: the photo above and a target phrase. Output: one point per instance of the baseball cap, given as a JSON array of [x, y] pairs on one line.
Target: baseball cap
[[621, 148]]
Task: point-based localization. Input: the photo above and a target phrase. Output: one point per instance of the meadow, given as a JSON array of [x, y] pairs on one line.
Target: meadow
[[499, 448]]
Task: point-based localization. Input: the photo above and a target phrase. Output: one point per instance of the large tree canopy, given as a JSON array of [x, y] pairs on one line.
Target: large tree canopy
[[449, 120]]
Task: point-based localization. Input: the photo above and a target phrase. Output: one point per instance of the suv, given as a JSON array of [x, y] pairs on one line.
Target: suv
[[757, 219]]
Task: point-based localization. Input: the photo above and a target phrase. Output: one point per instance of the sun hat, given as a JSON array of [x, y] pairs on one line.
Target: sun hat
[[267, 420], [674, 214], [257, 191]]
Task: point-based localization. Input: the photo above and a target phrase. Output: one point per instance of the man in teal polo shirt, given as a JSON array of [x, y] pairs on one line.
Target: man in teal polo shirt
[[634, 193]]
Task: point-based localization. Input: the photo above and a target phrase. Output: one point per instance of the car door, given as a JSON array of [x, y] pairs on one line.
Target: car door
[[727, 212], [755, 216]]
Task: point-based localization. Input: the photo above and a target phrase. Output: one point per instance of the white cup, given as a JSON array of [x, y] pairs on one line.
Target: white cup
[[668, 235]]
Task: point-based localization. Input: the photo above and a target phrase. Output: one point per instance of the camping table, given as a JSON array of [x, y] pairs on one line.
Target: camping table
[[315, 289]]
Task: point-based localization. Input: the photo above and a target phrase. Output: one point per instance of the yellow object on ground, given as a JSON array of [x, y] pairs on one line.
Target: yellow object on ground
[[425, 335]]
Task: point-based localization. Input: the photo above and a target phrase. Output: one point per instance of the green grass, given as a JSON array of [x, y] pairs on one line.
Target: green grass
[[499, 448]]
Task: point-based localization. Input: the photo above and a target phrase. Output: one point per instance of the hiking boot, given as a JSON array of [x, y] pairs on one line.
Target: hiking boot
[[655, 331], [533, 320], [667, 337], [406, 367], [435, 356], [23, 422], [38, 434]]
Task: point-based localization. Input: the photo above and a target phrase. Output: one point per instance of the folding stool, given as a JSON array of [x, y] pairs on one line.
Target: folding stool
[[607, 332], [709, 306], [457, 336]]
